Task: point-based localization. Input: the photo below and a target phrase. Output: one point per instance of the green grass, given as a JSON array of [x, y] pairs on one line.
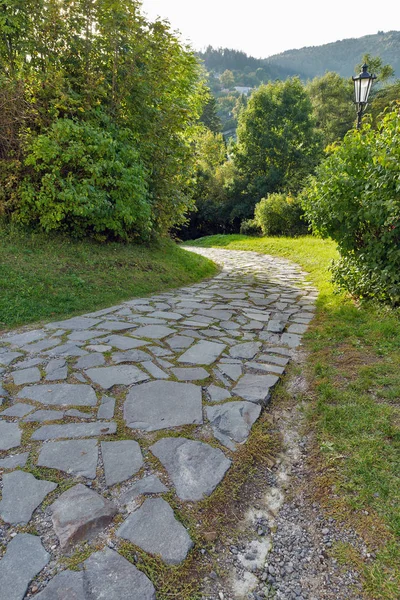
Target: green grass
[[353, 367], [51, 277]]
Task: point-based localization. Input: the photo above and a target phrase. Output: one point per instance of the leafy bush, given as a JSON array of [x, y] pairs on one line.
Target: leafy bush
[[279, 214], [355, 199], [82, 179], [250, 227]]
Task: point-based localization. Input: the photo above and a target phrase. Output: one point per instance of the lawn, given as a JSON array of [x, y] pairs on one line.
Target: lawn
[[47, 278], [353, 367]]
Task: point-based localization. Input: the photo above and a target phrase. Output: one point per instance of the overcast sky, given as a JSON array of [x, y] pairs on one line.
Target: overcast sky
[[262, 28]]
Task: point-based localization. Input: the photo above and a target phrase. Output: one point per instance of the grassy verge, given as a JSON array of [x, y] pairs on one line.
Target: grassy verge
[[353, 367], [44, 277]]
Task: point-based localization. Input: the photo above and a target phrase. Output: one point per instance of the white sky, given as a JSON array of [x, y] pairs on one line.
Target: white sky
[[262, 28]]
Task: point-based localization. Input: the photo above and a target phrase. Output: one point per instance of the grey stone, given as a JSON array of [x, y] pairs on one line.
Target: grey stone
[[12, 462], [75, 457], [247, 350], [79, 514], [27, 364], [68, 349], [90, 360], [85, 335], [190, 374], [130, 356], [154, 332], [56, 369], [297, 328], [60, 394], [233, 421], [110, 576], [42, 345], [20, 339], [24, 376], [74, 430], [117, 326], [232, 371], [154, 370], [40, 416], [194, 467], [202, 353], [256, 316], [17, 410], [153, 528], [218, 394], [290, 339], [67, 585], [162, 404], [167, 315], [256, 366], [278, 350], [276, 360], [180, 342], [107, 408], [78, 414], [123, 342], [148, 485], [6, 358], [74, 323], [121, 460], [24, 559], [99, 348], [22, 494], [107, 377], [255, 388], [276, 326], [10, 435]]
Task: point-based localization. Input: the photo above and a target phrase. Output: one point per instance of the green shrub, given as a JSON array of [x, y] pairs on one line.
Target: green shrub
[[279, 214], [84, 180], [355, 199], [250, 227]]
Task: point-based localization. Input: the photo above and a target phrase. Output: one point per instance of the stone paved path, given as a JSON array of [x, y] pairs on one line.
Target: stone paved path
[[93, 400]]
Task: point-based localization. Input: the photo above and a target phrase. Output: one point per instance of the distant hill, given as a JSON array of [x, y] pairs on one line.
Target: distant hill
[[341, 56]]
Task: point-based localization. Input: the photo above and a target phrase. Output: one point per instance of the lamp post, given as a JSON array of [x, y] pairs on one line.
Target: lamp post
[[362, 88]]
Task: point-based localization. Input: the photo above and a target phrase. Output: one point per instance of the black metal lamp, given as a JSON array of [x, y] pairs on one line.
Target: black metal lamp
[[362, 88]]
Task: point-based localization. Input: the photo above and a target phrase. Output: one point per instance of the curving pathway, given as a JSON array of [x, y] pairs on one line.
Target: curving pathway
[[88, 407]]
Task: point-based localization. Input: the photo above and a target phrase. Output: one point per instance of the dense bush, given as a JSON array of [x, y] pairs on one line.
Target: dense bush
[[82, 179], [250, 227], [355, 199], [279, 214]]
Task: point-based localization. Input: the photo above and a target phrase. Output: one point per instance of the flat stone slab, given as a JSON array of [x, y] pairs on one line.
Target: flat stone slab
[[110, 576], [25, 557], [232, 421], [74, 323], [67, 585], [190, 374], [202, 353], [123, 342], [22, 494], [6, 358], [107, 377], [130, 356], [79, 514], [75, 457], [255, 388], [12, 462], [162, 404], [90, 360], [218, 394], [247, 350], [180, 342], [41, 416], [74, 430], [61, 394], [106, 408], [20, 339], [154, 528], [24, 376], [154, 332], [194, 467], [148, 485], [10, 435], [20, 409], [232, 371], [117, 326], [121, 460]]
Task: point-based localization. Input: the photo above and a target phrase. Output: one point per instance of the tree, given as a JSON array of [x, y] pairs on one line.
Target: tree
[[277, 144], [333, 106], [209, 116], [228, 79]]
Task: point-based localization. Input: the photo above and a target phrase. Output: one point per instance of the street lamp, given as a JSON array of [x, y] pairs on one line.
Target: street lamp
[[362, 88]]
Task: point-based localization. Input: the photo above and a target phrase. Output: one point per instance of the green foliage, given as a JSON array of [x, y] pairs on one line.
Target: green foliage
[[333, 106], [250, 227], [355, 199], [98, 71], [277, 144], [80, 179], [279, 214]]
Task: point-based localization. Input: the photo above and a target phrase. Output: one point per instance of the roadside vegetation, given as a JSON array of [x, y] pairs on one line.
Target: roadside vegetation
[[354, 409], [50, 277]]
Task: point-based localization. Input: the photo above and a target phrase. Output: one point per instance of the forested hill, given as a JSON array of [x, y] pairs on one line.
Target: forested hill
[[341, 56]]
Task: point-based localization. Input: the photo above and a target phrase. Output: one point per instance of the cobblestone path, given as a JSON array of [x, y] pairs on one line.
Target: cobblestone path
[[88, 405]]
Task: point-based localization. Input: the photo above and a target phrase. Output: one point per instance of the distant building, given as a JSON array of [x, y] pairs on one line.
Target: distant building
[[243, 90]]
